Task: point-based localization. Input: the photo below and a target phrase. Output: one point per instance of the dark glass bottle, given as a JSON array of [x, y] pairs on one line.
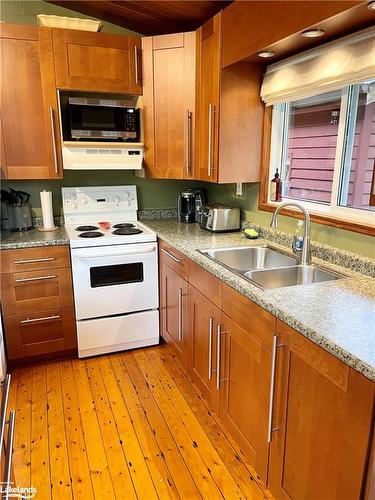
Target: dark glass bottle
[[276, 187]]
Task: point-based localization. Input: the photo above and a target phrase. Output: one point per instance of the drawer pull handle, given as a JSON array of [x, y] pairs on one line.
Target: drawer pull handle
[[45, 318], [171, 256], [30, 261], [37, 278], [275, 347]]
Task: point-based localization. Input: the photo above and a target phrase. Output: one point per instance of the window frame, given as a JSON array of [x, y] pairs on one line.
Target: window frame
[[275, 122]]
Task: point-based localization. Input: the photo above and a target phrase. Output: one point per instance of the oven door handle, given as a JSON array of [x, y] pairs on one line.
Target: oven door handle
[[104, 255]]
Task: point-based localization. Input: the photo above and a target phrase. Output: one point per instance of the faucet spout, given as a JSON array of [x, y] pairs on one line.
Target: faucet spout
[[306, 248]]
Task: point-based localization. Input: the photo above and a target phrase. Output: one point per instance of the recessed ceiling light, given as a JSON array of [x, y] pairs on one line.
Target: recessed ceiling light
[[314, 33], [371, 6], [266, 53]]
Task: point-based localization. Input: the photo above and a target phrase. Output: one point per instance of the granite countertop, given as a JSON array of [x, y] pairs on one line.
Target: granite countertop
[[28, 239], [337, 315]]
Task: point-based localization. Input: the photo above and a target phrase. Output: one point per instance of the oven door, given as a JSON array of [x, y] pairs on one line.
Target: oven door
[[115, 279]]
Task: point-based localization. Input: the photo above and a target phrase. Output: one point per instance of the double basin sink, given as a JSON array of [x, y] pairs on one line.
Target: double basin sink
[[268, 267]]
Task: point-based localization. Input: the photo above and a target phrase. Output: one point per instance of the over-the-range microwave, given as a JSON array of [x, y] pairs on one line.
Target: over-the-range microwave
[[100, 133], [104, 120]]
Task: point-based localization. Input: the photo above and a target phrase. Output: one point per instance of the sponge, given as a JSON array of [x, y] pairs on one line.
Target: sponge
[[251, 234]]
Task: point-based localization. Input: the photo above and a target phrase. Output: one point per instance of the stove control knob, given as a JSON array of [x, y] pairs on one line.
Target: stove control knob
[[127, 203], [126, 195], [73, 197], [117, 199], [84, 201], [74, 205]]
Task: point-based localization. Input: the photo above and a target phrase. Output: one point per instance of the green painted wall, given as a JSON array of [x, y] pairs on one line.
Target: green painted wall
[[25, 12], [346, 240], [162, 194]]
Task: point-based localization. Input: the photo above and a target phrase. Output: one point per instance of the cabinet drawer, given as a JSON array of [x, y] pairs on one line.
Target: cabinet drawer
[[174, 259], [252, 318], [33, 259], [36, 291], [36, 334], [206, 283]]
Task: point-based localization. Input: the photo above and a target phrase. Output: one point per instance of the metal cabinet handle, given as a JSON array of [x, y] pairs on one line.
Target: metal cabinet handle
[[136, 65], [29, 261], [180, 314], [37, 278], [52, 122], [3, 411], [211, 111], [210, 335], [275, 346], [171, 256], [44, 318], [9, 457], [218, 356], [188, 128]]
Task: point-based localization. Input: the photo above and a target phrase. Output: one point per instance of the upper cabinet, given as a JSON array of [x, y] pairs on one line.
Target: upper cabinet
[[97, 62], [229, 113], [169, 105], [29, 111]]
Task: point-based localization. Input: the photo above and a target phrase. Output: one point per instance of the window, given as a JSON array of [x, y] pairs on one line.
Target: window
[[324, 148]]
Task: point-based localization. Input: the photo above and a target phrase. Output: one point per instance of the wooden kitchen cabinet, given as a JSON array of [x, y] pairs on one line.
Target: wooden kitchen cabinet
[[97, 62], [322, 420], [244, 392], [37, 303], [40, 333], [169, 105], [173, 309], [29, 111], [229, 113], [204, 318]]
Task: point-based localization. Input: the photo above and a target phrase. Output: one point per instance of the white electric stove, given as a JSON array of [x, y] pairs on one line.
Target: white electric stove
[[115, 270]]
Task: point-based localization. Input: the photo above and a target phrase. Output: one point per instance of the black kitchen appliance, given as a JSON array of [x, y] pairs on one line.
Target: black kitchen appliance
[[18, 208], [86, 118], [189, 205]]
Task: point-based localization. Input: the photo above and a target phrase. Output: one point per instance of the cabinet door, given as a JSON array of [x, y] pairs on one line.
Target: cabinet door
[[31, 138], [173, 305], [208, 77], [97, 61], [244, 394], [322, 415], [40, 333], [36, 291], [204, 317], [169, 105]]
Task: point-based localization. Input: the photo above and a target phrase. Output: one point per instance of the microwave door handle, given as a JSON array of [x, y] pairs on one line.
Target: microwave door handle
[[114, 254]]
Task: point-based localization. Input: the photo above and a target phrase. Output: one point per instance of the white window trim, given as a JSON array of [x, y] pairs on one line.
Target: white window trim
[[333, 210]]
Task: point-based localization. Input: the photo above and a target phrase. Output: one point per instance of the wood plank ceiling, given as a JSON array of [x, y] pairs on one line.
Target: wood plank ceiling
[[149, 17]]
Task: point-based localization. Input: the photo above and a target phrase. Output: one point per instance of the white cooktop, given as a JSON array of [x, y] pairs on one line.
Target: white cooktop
[[90, 206]]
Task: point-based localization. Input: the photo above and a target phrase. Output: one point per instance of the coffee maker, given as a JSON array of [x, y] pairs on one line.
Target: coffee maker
[[189, 205]]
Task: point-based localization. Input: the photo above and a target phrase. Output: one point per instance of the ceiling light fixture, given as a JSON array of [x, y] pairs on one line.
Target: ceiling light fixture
[[314, 33], [266, 53], [371, 6]]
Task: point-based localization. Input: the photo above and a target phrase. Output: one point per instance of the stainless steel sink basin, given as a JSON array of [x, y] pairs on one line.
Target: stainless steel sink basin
[[268, 267], [244, 259], [291, 276]]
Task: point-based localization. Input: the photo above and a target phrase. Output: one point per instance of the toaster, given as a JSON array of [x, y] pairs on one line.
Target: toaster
[[220, 218]]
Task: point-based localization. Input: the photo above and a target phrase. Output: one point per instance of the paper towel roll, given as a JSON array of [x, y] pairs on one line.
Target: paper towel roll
[[47, 209]]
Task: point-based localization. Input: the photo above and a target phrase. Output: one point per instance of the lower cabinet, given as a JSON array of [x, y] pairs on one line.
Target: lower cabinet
[[203, 354], [245, 377], [302, 417], [173, 310], [40, 333], [322, 420]]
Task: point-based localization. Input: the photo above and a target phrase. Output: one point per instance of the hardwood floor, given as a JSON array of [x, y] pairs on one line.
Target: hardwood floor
[[127, 425]]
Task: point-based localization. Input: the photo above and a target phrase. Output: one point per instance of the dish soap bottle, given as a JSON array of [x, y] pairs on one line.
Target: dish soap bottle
[[276, 187], [297, 244]]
